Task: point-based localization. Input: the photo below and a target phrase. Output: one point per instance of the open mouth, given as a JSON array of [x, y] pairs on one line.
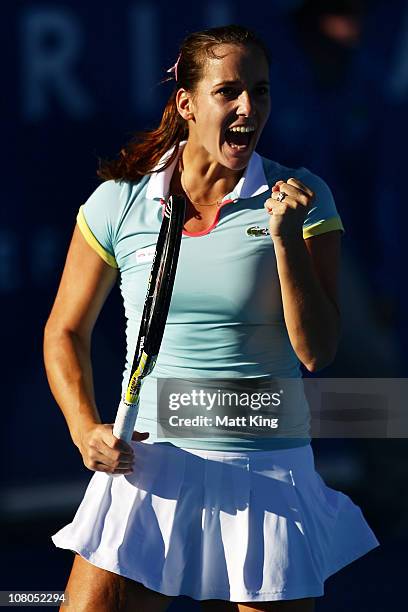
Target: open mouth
[[239, 138]]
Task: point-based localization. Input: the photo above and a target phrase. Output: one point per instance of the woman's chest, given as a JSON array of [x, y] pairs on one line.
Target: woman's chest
[[226, 275]]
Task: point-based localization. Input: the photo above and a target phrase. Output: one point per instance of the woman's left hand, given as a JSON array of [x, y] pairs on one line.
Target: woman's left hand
[[287, 216]]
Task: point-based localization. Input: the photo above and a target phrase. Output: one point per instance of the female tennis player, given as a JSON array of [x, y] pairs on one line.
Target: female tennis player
[[237, 522]]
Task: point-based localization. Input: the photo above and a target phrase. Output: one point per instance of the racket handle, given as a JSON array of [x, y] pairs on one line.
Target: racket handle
[[125, 420]]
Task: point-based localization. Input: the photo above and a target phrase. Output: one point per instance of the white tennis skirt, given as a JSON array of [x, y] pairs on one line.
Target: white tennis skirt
[[237, 526]]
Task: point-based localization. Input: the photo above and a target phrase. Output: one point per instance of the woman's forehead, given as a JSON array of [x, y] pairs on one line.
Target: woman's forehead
[[232, 62]]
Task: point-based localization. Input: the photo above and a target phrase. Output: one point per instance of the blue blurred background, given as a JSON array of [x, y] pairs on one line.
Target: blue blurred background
[[78, 79]]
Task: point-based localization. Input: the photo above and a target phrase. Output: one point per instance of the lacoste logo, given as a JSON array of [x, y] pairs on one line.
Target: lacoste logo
[[255, 231]]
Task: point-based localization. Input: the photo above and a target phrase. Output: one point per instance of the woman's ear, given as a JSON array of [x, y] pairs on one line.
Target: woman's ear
[[184, 104]]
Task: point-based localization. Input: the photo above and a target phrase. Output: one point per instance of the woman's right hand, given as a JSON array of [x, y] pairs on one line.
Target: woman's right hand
[[102, 452]]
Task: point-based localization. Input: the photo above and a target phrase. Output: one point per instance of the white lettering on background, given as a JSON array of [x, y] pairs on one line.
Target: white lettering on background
[[51, 41]]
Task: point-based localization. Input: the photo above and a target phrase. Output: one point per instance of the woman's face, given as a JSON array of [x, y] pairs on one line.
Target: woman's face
[[234, 92]]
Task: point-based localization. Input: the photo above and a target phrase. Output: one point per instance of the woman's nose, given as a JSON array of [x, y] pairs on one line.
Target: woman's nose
[[245, 106]]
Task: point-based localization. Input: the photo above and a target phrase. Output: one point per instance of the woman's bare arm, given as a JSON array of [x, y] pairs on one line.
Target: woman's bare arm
[[308, 272], [85, 284]]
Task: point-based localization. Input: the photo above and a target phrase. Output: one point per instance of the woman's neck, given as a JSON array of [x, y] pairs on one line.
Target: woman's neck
[[205, 180]]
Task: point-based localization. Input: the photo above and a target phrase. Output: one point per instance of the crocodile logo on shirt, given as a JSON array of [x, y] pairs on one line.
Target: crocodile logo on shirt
[[256, 231]]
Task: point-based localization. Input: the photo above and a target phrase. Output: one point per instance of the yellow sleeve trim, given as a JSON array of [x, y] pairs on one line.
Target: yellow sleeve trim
[[321, 227], [92, 241]]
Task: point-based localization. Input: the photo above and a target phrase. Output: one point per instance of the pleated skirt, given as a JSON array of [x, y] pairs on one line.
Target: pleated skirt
[[236, 526]]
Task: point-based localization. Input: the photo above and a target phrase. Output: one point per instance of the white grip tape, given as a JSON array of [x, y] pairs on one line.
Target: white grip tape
[[125, 421]]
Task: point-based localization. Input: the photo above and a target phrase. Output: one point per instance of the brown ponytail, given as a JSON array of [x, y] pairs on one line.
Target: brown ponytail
[[145, 150]]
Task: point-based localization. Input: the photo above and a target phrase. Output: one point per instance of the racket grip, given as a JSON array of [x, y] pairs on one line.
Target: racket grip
[[125, 420]]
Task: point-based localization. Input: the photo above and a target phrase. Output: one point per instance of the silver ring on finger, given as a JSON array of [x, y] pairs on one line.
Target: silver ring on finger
[[281, 196]]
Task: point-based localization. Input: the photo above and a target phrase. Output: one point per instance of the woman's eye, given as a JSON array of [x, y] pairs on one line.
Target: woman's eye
[[231, 92], [228, 92]]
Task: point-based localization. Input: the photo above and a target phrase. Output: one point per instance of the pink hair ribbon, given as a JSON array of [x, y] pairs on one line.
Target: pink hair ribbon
[[175, 67]]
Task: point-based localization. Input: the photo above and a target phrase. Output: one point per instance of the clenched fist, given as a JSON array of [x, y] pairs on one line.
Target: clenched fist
[[288, 207]]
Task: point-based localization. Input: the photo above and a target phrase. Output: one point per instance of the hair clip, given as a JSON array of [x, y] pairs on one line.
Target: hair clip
[[174, 68]]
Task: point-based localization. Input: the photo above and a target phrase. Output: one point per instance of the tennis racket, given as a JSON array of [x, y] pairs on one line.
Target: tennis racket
[[156, 307]]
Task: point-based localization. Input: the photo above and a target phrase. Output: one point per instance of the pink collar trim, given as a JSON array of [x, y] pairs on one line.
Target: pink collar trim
[[208, 229]]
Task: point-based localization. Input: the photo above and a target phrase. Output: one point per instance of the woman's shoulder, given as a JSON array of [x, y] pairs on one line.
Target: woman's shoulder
[[120, 189], [101, 216], [274, 171], [109, 203], [112, 198], [322, 215]]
